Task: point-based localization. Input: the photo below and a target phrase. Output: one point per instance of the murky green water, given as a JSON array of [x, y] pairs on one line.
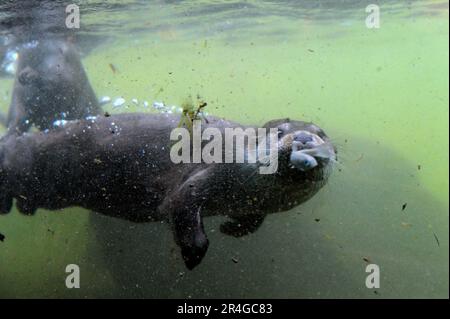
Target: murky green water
[[381, 94]]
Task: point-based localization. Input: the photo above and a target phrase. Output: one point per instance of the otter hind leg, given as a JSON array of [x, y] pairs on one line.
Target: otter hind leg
[[242, 225]]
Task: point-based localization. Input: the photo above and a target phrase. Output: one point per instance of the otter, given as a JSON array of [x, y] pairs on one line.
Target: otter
[[119, 165], [50, 85]]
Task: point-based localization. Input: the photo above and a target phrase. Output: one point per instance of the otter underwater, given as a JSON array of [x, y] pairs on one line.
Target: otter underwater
[[120, 166]]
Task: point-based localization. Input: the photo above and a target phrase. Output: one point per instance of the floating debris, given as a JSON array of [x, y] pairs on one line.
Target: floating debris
[[135, 101], [119, 102], [419, 167], [366, 259], [145, 104], [113, 68], [235, 260], [107, 114], [359, 158], [437, 240], [404, 206], [317, 219], [406, 225], [2, 237], [189, 114]]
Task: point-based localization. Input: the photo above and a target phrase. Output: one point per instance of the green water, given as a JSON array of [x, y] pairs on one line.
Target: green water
[[380, 94]]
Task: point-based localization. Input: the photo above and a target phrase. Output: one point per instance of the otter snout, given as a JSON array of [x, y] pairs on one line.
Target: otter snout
[[309, 151]]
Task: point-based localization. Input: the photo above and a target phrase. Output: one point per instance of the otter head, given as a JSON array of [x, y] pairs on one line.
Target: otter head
[[305, 151], [49, 65]]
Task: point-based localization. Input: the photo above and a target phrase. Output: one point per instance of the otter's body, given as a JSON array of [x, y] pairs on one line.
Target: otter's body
[[120, 166]]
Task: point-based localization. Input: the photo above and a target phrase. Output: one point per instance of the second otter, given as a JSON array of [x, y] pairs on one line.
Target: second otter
[[50, 84]]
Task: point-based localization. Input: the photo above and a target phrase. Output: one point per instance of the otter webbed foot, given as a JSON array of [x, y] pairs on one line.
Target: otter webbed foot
[[243, 225]]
